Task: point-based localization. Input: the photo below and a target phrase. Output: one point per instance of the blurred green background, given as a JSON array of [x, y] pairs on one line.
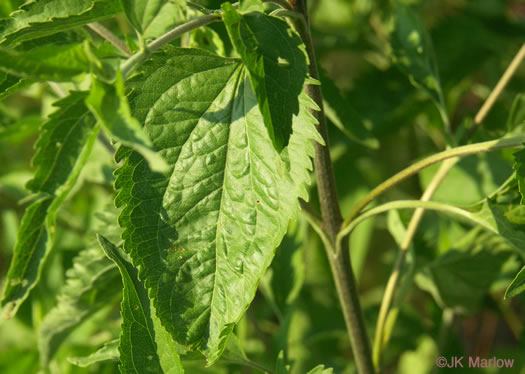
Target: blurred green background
[[388, 124]]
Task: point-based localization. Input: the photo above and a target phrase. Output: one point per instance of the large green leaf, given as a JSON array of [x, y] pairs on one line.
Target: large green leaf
[[204, 233], [45, 17], [145, 346], [517, 285], [414, 55], [62, 151], [91, 283], [277, 65], [110, 105]]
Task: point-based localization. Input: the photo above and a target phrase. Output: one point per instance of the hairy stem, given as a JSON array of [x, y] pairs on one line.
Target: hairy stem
[[331, 218]]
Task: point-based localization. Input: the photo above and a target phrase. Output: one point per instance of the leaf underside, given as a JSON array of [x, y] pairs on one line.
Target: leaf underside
[[204, 233]]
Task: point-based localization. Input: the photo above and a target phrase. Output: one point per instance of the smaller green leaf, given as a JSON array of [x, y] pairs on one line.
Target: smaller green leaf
[[277, 65], [9, 84], [493, 216], [280, 365], [414, 55], [108, 352], [141, 13], [145, 346], [517, 113], [341, 113], [519, 167], [207, 38], [151, 18], [44, 17], [462, 276], [517, 286], [62, 151], [320, 369], [246, 6], [53, 62], [32, 244], [283, 282], [91, 284], [110, 106]]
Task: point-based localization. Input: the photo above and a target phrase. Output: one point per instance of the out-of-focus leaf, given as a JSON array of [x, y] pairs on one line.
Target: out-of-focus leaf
[[342, 114], [208, 248], [460, 278], [320, 369], [493, 216], [92, 282], [517, 286], [421, 360], [9, 84], [280, 366], [207, 38], [110, 105], [62, 151], [141, 13], [517, 113], [52, 62], [519, 168], [153, 17], [141, 349], [284, 279], [107, 224], [470, 180], [19, 131], [276, 63], [44, 17], [108, 352], [413, 53]]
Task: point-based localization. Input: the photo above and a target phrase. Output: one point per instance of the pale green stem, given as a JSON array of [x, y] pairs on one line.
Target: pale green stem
[[415, 204], [110, 37], [142, 55], [380, 337], [465, 150]]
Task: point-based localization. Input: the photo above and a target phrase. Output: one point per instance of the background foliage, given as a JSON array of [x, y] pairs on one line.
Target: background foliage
[[380, 121]]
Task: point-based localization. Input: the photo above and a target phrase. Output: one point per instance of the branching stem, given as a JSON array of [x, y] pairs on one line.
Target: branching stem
[[465, 150], [381, 337], [331, 217], [110, 37]]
